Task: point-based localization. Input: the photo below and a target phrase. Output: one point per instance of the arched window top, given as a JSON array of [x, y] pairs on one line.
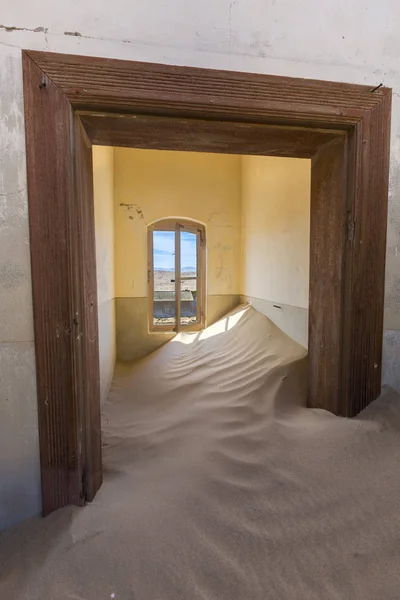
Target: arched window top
[[169, 223], [176, 274]]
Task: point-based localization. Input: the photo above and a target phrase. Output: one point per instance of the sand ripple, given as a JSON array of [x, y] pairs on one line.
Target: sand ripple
[[221, 485]]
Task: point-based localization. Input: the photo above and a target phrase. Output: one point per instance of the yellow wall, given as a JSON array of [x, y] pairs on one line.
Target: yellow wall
[[150, 185], [103, 181], [276, 229], [257, 216]]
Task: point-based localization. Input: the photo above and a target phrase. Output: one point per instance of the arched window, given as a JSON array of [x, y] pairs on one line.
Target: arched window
[[176, 275]]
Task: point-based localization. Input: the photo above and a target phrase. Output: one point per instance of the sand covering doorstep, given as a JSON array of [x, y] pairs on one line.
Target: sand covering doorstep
[[220, 485]]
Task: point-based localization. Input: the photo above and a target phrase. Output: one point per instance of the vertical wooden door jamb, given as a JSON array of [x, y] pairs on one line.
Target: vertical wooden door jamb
[[48, 127], [327, 282], [86, 315], [369, 147]]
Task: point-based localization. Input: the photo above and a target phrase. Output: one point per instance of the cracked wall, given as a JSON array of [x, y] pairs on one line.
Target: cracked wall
[[151, 185], [282, 38]]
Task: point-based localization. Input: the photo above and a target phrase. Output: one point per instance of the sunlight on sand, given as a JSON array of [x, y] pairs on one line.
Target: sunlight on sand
[[219, 484], [219, 327]]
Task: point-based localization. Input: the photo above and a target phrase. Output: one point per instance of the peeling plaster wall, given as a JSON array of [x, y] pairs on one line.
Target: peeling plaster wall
[[151, 185], [298, 39]]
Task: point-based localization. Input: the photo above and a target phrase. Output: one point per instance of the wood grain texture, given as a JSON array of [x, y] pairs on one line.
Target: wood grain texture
[[345, 128], [144, 131], [327, 261], [86, 317], [128, 86], [369, 176], [48, 116]]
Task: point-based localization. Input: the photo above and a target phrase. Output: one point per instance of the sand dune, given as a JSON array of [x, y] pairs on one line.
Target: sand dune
[[221, 485]]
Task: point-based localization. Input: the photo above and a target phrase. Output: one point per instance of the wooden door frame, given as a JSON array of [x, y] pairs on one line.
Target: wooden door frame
[[72, 102]]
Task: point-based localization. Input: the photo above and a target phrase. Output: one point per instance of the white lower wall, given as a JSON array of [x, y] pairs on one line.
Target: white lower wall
[[292, 320], [20, 493], [107, 346]]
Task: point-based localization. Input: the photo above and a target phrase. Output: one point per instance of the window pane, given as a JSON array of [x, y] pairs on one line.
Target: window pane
[[188, 254], [188, 278], [164, 308], [189, 302]]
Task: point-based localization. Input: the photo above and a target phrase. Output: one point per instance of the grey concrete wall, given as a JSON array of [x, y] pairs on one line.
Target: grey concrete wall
[[292, 320], [19, 449], [133, 338], [20, 494]]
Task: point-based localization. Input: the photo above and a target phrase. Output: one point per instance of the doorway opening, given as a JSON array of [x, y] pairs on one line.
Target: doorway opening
[[72, 102], [245, 239]]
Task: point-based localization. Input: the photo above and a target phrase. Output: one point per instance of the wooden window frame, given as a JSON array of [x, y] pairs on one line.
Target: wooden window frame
[[200, 231], [72, 102]]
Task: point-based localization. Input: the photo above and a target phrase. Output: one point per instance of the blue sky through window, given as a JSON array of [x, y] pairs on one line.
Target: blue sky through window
[[164, 251]]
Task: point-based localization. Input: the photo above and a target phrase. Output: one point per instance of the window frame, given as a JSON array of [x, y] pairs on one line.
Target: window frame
[[177, 225]]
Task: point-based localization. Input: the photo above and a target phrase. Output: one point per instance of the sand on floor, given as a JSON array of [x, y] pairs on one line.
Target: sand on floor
[[221, 485]]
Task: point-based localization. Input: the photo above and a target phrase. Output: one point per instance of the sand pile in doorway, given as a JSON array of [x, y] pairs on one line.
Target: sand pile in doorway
[[220, 485]]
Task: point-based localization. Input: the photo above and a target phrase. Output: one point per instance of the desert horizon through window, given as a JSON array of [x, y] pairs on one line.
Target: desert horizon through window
[[176, 275]]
